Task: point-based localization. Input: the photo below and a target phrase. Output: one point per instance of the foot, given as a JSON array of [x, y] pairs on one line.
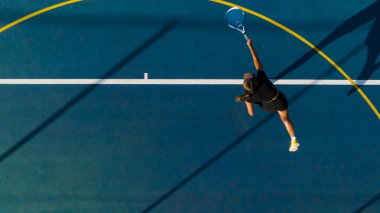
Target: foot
[[294, 145]]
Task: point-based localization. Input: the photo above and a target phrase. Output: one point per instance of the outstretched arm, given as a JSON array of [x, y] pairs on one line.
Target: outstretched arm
[[256, 60]]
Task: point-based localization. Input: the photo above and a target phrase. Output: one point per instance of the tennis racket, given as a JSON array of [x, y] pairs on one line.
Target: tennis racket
[[234, 18]]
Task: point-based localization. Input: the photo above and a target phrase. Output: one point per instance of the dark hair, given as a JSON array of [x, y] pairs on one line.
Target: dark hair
[[250, 85]]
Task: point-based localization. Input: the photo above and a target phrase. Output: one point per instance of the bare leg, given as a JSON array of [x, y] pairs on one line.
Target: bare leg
[[284, 115]]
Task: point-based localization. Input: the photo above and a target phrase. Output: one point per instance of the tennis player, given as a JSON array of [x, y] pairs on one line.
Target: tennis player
[[260, 90]]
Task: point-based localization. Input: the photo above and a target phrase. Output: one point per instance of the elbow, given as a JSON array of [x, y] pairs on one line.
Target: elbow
[[250, 114]]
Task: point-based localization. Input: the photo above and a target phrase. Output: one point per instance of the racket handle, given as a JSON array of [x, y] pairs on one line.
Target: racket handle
[[245, 36]]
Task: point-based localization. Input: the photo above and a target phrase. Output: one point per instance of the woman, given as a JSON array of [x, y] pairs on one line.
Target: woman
[[260, 90]]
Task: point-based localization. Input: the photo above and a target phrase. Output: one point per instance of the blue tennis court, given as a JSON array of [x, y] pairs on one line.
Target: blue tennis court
[[128, 106]]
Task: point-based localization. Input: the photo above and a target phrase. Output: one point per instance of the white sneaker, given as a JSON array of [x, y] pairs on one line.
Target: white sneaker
[[294, 145]]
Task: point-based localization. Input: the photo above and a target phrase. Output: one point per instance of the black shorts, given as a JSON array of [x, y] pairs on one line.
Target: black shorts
[[280, 104]]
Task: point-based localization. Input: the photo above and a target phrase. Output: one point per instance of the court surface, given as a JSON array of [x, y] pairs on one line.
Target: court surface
[[96, 147]]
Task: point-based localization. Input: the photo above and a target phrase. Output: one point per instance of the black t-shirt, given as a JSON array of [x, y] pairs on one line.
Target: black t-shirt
[[265, 89]]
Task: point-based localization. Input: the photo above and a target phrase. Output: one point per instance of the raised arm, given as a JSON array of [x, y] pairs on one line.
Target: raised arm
[[256, 60]]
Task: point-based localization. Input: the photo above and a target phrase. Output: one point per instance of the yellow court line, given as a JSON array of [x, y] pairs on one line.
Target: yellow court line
[[307, 43], [18, 21]]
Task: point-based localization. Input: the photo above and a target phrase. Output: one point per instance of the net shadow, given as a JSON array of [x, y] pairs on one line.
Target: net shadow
[[56, 115]]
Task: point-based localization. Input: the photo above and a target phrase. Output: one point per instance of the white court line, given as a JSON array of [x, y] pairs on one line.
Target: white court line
[[178, 82]]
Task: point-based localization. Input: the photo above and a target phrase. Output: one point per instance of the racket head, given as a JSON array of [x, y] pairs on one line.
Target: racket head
[[234, 18]]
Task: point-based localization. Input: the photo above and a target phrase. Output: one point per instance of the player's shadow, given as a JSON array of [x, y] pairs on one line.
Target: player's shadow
[[372, 41], [373, 50], [368, 204], [84, 93]]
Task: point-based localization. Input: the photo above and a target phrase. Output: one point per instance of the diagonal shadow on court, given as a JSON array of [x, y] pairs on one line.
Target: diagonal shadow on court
[[241, 138], [359, 19], [373, 51], [154, 38], [368, 204]]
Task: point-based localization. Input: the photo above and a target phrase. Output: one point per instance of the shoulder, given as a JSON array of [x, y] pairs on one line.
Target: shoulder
[[261, 73]]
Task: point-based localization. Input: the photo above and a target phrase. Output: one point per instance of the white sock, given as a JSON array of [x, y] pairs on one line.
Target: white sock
[[293, 138]]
